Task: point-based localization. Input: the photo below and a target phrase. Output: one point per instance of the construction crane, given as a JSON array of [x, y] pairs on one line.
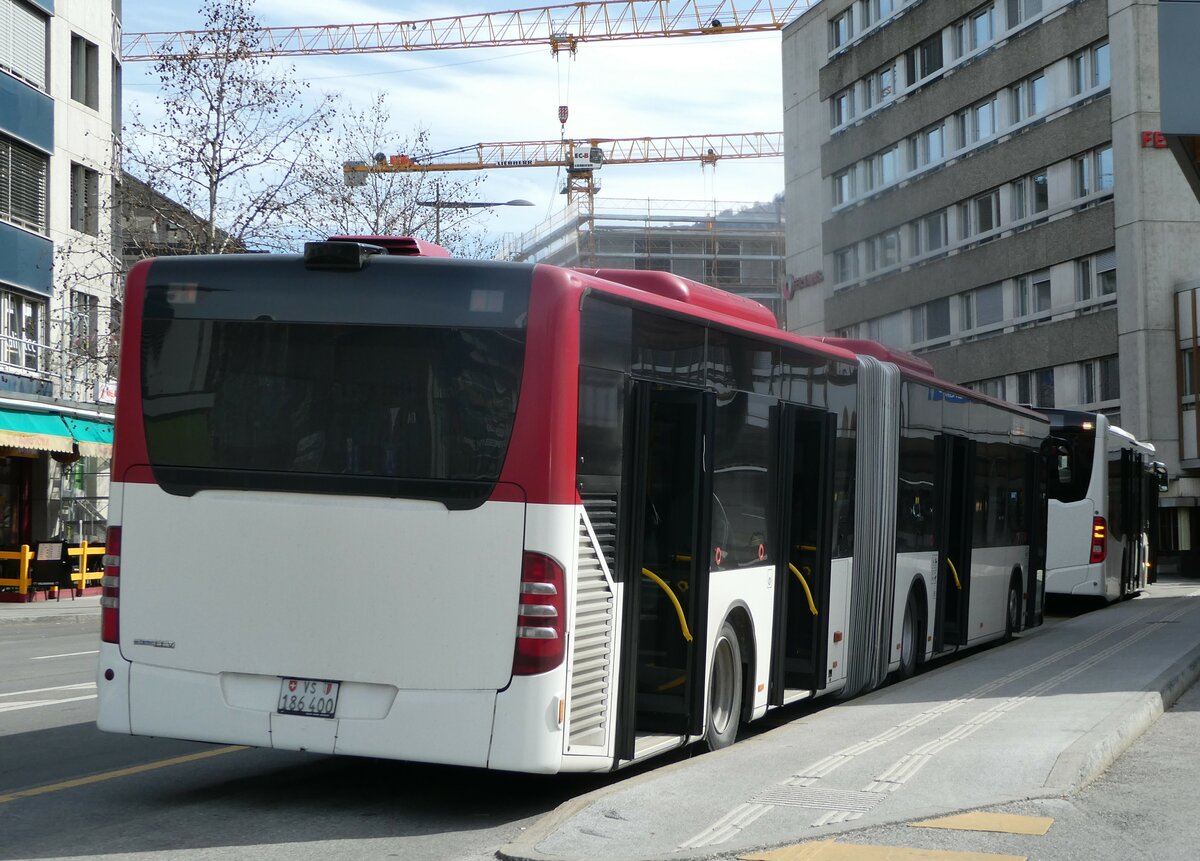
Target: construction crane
[[561, 27], [580, 158]]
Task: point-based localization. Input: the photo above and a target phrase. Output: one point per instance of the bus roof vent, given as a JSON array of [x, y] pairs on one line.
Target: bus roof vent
[[671, 286], [882, 352], [403, 246]]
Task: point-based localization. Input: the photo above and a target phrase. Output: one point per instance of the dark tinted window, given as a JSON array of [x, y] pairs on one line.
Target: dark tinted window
[[741, 481], [379, 410], [668, 350], [1071, 464]]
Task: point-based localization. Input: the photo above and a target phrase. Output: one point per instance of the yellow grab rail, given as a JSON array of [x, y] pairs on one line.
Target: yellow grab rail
[[807, 592], [954, 571], [683, 625]]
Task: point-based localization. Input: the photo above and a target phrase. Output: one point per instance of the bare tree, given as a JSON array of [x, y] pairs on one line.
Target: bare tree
[[228, 139], [387, 204]]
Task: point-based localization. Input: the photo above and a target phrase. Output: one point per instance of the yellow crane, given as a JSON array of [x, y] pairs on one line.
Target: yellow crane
[[561, 27]]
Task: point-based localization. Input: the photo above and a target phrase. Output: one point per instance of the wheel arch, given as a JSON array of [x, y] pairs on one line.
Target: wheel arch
[[739, 617]]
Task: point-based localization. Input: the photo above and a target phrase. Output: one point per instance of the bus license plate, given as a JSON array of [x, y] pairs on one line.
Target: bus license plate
[[310, 697]]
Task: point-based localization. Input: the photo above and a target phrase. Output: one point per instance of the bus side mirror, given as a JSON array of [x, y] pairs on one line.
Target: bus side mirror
[[1160, 475]]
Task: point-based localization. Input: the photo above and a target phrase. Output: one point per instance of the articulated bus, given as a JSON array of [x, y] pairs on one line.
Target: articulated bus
[[529, 518], [1103, 509]]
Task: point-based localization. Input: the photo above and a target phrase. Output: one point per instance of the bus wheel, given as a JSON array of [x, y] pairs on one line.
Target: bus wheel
[[1012, 612], [724, 690], [912, 636]]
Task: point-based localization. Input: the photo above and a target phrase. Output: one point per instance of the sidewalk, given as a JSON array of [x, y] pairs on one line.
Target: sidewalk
[[1038, 717], [85, 609]]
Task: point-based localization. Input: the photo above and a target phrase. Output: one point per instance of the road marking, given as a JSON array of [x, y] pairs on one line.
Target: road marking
[[82, 686], [1000, 823], [67, 655], [120, 772], [37, 704], [828, 850]]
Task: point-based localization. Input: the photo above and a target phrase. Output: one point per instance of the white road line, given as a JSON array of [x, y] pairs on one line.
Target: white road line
[[83, 686], [67, 655], [36, 704]]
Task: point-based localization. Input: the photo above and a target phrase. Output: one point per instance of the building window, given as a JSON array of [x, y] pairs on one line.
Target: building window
[[1106, 273], [888, 330], [981, 307], [1084, 184], [24, 331], [841, 30], [843, 107], [1031, 195], [992, 388], [931, 321], [1022, 10], [84, 322], [1036, 388], [1099, 380], [845, 264], [879, 86], [1189, 374], [924, 59], [85, 191], [883, 168], [929, 234], [927, 147], [85, 72], [883, 250], [983, 120], [974, 32], [23, 185], [874, 11], [980, 215], [1090, 69], [1033, 298], [1104, 169], [843, 187], [1094, 172], [1027, 99], [23, 42]]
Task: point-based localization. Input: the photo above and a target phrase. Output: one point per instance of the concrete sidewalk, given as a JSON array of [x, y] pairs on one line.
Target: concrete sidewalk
[[1038, 717], [84, 609]]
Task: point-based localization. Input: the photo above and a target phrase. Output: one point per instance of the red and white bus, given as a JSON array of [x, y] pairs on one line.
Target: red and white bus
[[530, 518], [1103, 508]]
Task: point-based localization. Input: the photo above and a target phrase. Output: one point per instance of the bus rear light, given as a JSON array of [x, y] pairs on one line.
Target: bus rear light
[[541, 616], [110, 595], [1099, 540]]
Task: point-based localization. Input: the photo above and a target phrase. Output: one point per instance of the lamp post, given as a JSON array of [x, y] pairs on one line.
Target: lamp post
[[438, 205]]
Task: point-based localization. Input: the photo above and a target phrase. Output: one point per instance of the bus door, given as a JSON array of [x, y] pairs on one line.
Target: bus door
[[955, 475], [1131, 521], [803, 490], [668, 485]]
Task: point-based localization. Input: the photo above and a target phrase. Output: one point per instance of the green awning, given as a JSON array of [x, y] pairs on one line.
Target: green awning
[[54, 433]]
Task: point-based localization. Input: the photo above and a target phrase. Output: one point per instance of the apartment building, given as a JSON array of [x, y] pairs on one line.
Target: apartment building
[[985, 184], [735, 246], [60, 96]]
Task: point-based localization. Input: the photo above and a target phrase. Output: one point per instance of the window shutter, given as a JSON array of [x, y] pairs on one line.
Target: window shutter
[[23, 42], [26, 186], [1106, 260]]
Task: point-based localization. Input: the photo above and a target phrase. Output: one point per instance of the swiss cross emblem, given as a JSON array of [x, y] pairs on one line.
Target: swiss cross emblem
[[292, 685]]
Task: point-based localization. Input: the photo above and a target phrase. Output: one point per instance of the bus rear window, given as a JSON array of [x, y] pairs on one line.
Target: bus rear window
[[384, 410]]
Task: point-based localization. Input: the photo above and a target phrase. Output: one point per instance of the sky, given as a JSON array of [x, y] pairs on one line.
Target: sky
[[654, 87]]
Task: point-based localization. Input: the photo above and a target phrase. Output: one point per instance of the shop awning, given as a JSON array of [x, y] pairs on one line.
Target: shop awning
[[54, 433]]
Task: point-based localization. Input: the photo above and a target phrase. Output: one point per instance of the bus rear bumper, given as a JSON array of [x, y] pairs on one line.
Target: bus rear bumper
[[449, 727], [112, 711], [1076, 580]]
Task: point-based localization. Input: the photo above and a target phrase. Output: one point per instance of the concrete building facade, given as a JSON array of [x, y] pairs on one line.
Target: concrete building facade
[[986, 184], [60, 97]]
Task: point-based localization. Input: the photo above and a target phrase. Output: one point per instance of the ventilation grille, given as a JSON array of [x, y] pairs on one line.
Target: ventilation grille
[[591, 668], [602, 512]]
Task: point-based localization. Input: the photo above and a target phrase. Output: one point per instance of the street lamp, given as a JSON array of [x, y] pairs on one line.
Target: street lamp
[[438, 205]]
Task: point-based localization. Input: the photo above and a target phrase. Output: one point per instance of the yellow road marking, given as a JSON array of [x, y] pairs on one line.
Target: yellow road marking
[[120, 772], [827, 850], [1003, 823]]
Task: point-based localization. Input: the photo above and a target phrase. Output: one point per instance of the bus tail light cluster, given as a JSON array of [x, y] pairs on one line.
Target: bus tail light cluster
[[110, 598], [1099, 540], [541, 617]]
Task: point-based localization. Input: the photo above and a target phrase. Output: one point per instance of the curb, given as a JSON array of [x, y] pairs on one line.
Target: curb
[[77, 617], [1090, 756], [1083, 762]]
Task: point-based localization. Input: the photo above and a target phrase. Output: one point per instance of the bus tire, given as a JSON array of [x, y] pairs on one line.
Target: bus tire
[[912, 637], [1012, 608], [724, 690]]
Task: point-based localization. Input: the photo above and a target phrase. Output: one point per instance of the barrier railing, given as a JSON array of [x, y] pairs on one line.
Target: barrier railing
[[24, 579]]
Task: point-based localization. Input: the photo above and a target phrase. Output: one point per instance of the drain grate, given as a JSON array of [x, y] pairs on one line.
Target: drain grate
[[820, 799]]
